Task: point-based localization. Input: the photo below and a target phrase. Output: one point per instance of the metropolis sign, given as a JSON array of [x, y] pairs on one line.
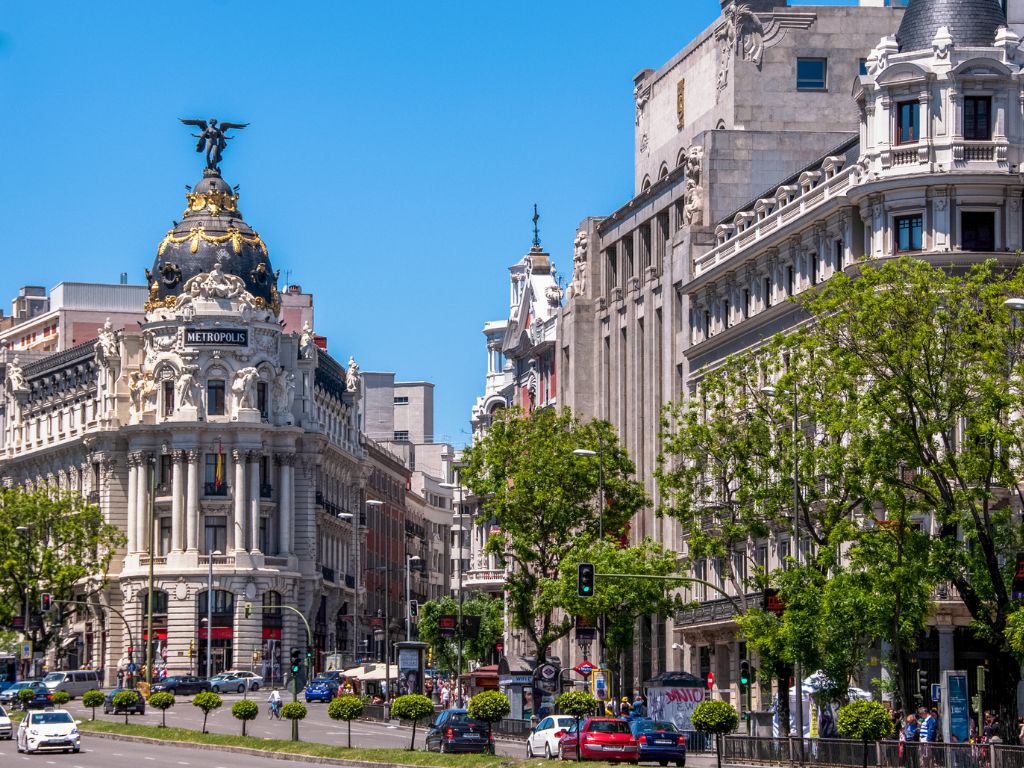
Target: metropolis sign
[[231, 337]]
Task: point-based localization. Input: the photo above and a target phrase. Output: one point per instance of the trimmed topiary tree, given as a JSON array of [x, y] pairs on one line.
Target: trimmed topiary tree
[[294, 711], [491, 707], [25, 695], [60, 698], [579, 704], [162, 701], [206, 701], [864, 720], [717, 718], [244, 710], [413, 707], [346, 708], [92, 699], [124, 701]]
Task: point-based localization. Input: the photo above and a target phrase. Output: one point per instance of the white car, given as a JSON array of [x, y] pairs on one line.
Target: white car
[[6, 729], [237, 680], [49, 729], [543, 740]]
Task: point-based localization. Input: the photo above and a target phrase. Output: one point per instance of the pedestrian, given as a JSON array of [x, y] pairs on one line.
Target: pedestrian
[[639, 707], [908, 739], [446, 695], [120, 678], [624, 707]]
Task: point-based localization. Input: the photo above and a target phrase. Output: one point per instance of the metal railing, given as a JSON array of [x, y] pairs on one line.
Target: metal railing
[[752, 750]]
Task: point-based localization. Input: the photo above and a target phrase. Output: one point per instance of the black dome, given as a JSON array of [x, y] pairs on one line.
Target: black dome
[[971, 23], [212, 231]]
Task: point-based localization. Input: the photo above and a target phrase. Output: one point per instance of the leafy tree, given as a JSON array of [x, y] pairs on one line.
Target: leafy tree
[[25, 695], [126, 700], [162, 701], [63, 548], [413, 707], [865, 720], [445, 650], [206, 701], [60, 698], [294, 711], [244, 710], [346, 708], [717, 718], [92, 699], [491, 707], [542, 498], [577, 704]]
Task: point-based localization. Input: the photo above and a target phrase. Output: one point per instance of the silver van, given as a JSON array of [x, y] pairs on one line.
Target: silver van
[[75, 681]]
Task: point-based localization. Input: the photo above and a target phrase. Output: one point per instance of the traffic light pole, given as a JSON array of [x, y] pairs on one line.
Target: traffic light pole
[[309, 637], [127, 626]]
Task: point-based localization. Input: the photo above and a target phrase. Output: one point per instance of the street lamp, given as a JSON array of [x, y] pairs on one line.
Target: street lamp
[[599, 453], [462, 544], [209, 612], [24, 531], [798, 682], [410, 562], [378, 505]]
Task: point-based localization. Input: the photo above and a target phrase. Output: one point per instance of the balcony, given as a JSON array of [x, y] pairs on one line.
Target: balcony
[[485, 580], [328, 573], [712, 611], [212, 489], [266, 491]]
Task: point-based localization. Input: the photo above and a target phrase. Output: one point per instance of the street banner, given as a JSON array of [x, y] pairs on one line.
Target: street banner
[[675, 705], [955, 706], [1018, 579], [446, 625], [599, 684]]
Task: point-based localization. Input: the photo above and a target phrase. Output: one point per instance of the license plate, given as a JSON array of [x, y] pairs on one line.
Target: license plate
[[614, 748], [471, 735], [664, 741]]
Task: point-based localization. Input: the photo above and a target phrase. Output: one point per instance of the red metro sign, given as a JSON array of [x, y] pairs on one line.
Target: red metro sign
[[585, 668]]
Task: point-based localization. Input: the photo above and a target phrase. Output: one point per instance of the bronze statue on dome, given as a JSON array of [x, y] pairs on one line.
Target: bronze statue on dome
[[213, 138]]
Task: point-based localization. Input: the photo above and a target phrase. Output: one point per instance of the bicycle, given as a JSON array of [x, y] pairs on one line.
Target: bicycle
[[274, 710]]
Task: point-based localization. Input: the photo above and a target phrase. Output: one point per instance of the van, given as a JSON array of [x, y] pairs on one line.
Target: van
[[74, 682]]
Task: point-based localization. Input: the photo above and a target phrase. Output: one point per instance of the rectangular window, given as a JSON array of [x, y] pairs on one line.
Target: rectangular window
[[401, 400], [978, 231], [264, 534], [215, 535], [726, 309], [746, 303], [862, 66], [784, 552], [813, 264], [767, 292], [402, 435], [707, 324], [215, 398], [908, 122], [165, 538], [169, 397], [909, 233], [839, 256], [266, 487], [811, 74], [262, 404], [790, 280], [977, 118], [215, 479]]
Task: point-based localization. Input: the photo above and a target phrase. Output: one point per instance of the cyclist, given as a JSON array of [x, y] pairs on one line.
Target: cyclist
[[275, 704]]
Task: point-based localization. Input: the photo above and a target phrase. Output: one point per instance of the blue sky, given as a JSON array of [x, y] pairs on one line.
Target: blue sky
[[393, 158]]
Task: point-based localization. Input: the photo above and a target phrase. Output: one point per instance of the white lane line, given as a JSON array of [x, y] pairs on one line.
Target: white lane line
[[183, 763]]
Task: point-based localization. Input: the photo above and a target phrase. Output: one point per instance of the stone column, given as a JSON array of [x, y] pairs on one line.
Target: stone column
[[133, 479], [238, 524], [284, 504], [254, 501], [192, 502], [177, 509], [142, 503], [947, 655]]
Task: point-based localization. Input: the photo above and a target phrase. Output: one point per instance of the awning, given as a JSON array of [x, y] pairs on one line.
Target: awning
[[370, 672]]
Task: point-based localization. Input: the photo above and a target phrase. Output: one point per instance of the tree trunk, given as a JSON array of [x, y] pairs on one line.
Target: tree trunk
[[412, 744], [865, 753], [718, 748], [350, 734], [243, 728], [782, 675], [205, 715]]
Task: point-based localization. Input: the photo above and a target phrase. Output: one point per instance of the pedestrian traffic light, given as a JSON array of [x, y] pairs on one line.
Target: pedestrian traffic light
[[414, 608], [309, 653], [922, 683], [248, 609], [45, 602], [585, 580], [296, 657], [131, 652], [744, 673]]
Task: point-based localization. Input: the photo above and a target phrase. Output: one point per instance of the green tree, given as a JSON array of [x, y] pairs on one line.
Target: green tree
[[445, 650], [542, 499], [717, 718], [124, 701], [294, 711], [92, 699], [346, 708], [244, 710], [413, 707], [162, 701], [56, 543], [491, 707], [577, 704], [60, 698], [25, 695], [864, 720], [206, 701]]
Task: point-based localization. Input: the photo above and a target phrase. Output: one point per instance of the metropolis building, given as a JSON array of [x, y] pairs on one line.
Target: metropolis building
[[226, 447]]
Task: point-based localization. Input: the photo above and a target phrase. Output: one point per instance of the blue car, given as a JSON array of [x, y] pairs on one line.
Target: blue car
[[660, 741], [320, 689]]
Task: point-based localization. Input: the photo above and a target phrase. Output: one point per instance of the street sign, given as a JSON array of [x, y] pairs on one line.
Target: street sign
[[711, 679], [447, 625], [132, 667], [585, 668], [26, 649], [548, 672]]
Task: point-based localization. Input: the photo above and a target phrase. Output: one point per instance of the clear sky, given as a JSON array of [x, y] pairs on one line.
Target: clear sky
[[393, 158]]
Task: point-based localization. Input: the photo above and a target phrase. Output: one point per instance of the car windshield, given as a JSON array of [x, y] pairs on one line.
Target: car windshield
[[54, 677], [564, 722], [609, 726], [461, 718], [3, 712], [661, 725], [51, 718]]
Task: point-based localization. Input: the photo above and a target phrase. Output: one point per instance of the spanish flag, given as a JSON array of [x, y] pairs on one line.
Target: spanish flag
[[218, 472]]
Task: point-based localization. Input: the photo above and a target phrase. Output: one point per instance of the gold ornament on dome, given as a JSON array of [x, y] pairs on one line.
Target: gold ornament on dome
[[275, 300], [198, 234], [213, 202]]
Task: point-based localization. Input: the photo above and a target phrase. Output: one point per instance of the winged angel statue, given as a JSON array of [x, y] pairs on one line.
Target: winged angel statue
[[212, 137]]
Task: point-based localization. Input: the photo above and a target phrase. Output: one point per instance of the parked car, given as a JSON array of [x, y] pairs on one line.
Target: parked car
[[52, 729], [6, 729], [599, 738], [74, 682], [139, 708], [43, 697], [543, 739], [243, 678], [10, 695], [659, 741], [183, 684], [453, 730], [320, 689]]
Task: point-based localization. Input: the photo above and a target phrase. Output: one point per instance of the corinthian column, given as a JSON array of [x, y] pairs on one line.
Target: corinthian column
[[238, 525], [254, 501], [284, 504], [192, 502], [177, 508], [142, 503], [133, 482]]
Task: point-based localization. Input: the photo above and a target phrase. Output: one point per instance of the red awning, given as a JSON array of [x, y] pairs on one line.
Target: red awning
[[219, 633], [269, 633], [161, 634]]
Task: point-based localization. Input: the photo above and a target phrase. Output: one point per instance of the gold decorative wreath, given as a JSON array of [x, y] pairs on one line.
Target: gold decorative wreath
[[198, 234]]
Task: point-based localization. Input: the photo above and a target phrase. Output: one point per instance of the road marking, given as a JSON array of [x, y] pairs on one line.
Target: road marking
[[183, 763], [151, 758]]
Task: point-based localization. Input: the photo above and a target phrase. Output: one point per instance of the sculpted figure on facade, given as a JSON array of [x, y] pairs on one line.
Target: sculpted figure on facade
[[284, 396], [579, 264], [15, 377], [307, 342], [186, 394], [244, 387], [693, 208], [215, 284], [106, 352], [352, 375], [141, 393], [642, 94]]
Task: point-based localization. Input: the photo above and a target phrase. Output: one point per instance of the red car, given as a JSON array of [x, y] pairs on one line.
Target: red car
[[600, 738]]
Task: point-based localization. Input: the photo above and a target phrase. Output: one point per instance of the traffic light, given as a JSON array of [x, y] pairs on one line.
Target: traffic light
[[248, 609], [585, 580], [744, 673], [309, 653], [131, 652], [191, 648], [414, 608], [45, 602], [296, 657], [922, 683]]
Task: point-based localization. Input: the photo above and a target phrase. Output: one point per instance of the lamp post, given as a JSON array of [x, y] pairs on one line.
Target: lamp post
[[599, 453], [209, 612], [379, 505], [409, 561], [798, 684], [151, 467], [24, 531], [462, 544]]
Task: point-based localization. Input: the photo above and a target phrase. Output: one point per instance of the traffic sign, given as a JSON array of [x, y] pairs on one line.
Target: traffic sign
[[132, 667], [585, 668], [711, 679]]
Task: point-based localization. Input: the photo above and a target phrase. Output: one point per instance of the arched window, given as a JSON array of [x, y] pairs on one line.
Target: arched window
[[159, 626], [663, 173], [273, 622], [218, 640], [646, 185]]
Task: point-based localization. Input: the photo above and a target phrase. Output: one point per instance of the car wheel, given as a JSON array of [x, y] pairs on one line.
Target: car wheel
[[441, 748], [547, 751], [76, 750], [663, 762], [680, 763], [529, 750], [106, 711], [171, 691], [241, 688]]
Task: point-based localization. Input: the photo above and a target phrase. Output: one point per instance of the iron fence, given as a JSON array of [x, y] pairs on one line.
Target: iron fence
[[846, 753]]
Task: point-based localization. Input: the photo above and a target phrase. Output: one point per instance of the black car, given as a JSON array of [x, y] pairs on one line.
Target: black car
[[138, 708], [453, 730], [183, 684]]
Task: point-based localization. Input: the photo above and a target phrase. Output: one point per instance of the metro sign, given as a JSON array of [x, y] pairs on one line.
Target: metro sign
[[585, 668]]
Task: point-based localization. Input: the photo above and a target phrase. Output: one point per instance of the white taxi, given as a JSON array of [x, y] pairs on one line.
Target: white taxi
[[49, 729], [6, 729]]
